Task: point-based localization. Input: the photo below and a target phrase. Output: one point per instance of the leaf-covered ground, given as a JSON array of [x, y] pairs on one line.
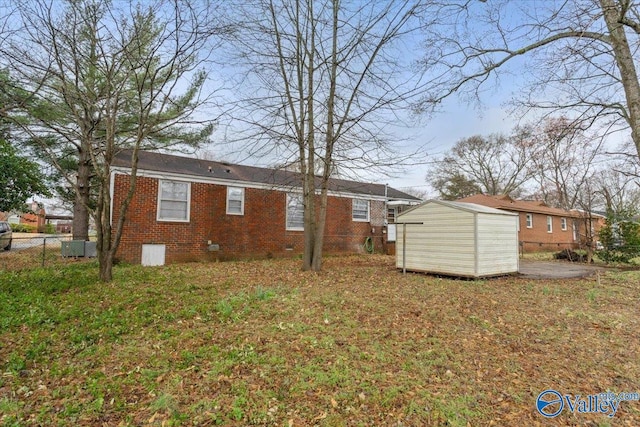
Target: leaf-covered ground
[[262, 343]]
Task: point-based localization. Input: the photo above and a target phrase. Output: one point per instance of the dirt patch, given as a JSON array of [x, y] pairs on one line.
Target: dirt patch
[[556, 270]]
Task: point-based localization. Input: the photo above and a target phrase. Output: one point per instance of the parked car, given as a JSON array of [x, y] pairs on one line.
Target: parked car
[[5, 235]]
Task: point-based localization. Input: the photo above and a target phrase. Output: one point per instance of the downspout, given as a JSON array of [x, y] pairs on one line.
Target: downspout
[[386, 198], [111, 194], [385, 222]]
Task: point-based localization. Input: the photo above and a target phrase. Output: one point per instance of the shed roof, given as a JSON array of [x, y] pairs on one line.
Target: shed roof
[[464, 206], [153, 161]]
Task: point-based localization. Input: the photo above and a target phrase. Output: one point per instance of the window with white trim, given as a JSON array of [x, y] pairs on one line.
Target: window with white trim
[[295, 212], [235, 201], [529, 221], [360, 210], [549, 224], [173, 201], [563, 224]]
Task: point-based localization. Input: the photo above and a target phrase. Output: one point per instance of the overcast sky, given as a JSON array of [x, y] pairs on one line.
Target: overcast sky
[[457, 121]]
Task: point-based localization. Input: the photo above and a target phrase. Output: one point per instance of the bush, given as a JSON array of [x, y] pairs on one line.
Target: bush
[[47, 228], [620, 240], [570, 255], [23, 228]]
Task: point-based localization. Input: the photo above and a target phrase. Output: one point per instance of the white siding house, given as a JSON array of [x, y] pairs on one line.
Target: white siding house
[[457, 239]]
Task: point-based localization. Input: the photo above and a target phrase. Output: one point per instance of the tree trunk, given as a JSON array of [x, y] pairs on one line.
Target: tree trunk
[[103, 226], [81, 202], [626, 65], [308, 170], [309, 229], [316, 263], [106, 266]]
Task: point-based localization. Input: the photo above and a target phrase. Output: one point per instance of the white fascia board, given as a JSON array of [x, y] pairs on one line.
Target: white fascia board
[[236, 183], [403, 202]]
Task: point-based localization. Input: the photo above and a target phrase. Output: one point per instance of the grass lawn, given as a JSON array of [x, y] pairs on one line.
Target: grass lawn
[[262, 343]]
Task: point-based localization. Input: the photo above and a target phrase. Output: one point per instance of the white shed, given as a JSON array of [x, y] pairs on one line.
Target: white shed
[[457, 239]]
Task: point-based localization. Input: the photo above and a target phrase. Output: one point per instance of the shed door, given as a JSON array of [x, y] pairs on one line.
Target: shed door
[[153, 255]]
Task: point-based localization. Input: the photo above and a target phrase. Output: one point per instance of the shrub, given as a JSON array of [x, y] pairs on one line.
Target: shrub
[[47, 228], [620, 240], [23, 228]]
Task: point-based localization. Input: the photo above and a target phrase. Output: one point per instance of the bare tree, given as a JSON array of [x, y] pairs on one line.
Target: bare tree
[[319, 79], [621, 192], [582, 56], [564, 158], [586, 202], [493, 165], [105, 79], [451, 185]]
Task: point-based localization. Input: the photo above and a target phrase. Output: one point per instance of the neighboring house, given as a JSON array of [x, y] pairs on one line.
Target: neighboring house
[[35, 218], [62, 224], [542, 227], [190, 209]]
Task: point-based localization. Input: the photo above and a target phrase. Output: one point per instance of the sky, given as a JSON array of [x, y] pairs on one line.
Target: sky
[[454, 121], [457, 120]]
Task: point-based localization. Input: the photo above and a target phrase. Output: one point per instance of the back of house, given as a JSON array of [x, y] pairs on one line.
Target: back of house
[[187, 209]]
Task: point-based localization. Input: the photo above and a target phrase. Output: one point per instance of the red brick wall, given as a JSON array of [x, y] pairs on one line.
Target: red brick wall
[[538, 238], [260, 232], [36, 219]]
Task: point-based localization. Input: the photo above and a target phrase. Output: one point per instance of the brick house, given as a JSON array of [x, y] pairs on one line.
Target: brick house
[[542, 227], [35, 217], [191, 209]]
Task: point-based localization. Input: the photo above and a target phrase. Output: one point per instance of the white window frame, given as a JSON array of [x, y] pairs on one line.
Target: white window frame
[[549, 224], [230, 190], [299, 198], [529, 220], [359, 209], [159, 216], [563, 224]]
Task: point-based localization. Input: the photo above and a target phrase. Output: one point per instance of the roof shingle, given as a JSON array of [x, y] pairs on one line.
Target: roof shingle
[[507, 203], [153, 161]]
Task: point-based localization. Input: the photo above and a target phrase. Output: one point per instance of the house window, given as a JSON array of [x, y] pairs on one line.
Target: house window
[[549, 224], [563, 224], [173, 201], [295, 212], [360, 210], [529, 221], [235, 201]]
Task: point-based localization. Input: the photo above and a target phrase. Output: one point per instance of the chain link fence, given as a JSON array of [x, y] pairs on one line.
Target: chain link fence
[[38, 250]]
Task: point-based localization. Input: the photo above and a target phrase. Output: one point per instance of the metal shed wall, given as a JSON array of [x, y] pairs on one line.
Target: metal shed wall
[[458, 239], [444, 243], [497, 244]]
